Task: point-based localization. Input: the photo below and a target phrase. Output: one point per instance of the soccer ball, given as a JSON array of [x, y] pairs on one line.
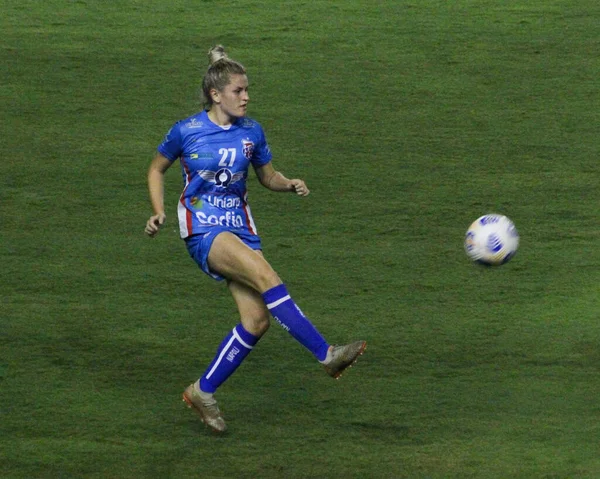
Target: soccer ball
[[491, 240]]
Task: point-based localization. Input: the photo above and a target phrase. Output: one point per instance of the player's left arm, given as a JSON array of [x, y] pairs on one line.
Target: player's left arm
[[274, 180]]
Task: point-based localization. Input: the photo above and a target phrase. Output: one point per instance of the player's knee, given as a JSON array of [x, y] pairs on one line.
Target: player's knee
[[266, 279], [257, 325], [264, 324]]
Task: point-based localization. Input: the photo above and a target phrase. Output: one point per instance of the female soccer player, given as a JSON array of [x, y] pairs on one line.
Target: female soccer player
[[215, 149]]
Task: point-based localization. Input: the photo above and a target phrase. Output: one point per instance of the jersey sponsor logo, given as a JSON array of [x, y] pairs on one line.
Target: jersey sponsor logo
[[223, 202], [194, 123], [247, 148], [223, 177], [229, 220]]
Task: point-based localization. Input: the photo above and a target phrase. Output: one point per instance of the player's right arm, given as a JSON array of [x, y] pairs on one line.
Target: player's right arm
[[156, 181]]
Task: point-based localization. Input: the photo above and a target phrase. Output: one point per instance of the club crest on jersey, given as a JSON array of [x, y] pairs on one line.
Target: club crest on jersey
[[223, 177], [247, 149]]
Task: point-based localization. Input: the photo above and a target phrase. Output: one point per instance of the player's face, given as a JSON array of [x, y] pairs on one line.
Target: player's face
[[233, 99]]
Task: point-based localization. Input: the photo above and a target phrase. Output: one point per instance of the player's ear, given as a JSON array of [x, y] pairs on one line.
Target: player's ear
[[214, 94]]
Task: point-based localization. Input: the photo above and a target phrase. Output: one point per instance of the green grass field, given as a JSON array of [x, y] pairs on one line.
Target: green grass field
[[407, 121]]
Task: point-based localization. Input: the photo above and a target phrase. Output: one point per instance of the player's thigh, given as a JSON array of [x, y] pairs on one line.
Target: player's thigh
[[253, 312], [232, 258]]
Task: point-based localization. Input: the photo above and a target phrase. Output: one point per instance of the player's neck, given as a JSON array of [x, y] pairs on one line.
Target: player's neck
[[219, 118]]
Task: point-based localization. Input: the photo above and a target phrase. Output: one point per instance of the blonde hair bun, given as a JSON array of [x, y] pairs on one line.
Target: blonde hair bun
[[216, 53]]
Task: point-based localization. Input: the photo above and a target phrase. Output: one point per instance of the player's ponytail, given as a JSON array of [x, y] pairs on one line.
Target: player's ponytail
[[219, 72]]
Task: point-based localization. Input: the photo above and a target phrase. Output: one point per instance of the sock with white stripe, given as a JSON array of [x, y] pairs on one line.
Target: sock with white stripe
[[230, 354], [285, 311]]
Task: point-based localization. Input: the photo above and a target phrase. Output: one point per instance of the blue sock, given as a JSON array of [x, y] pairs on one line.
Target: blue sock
[[292, 319], [230, 354]]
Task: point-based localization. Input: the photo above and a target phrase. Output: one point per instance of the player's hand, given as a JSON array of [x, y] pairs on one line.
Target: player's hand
[[300, 187], [154, 223]]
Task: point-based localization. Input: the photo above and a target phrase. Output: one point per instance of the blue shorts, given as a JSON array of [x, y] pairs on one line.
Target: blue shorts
[[199, 245]]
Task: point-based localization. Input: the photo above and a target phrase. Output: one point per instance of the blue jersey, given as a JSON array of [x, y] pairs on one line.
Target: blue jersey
[[214, 164]]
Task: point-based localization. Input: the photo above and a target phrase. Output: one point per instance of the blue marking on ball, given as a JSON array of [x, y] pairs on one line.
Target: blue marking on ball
[[494, 243], [488, 220]]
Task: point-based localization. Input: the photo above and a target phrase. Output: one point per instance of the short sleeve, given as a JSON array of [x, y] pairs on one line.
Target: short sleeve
[[171, 147], [262, 153]]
